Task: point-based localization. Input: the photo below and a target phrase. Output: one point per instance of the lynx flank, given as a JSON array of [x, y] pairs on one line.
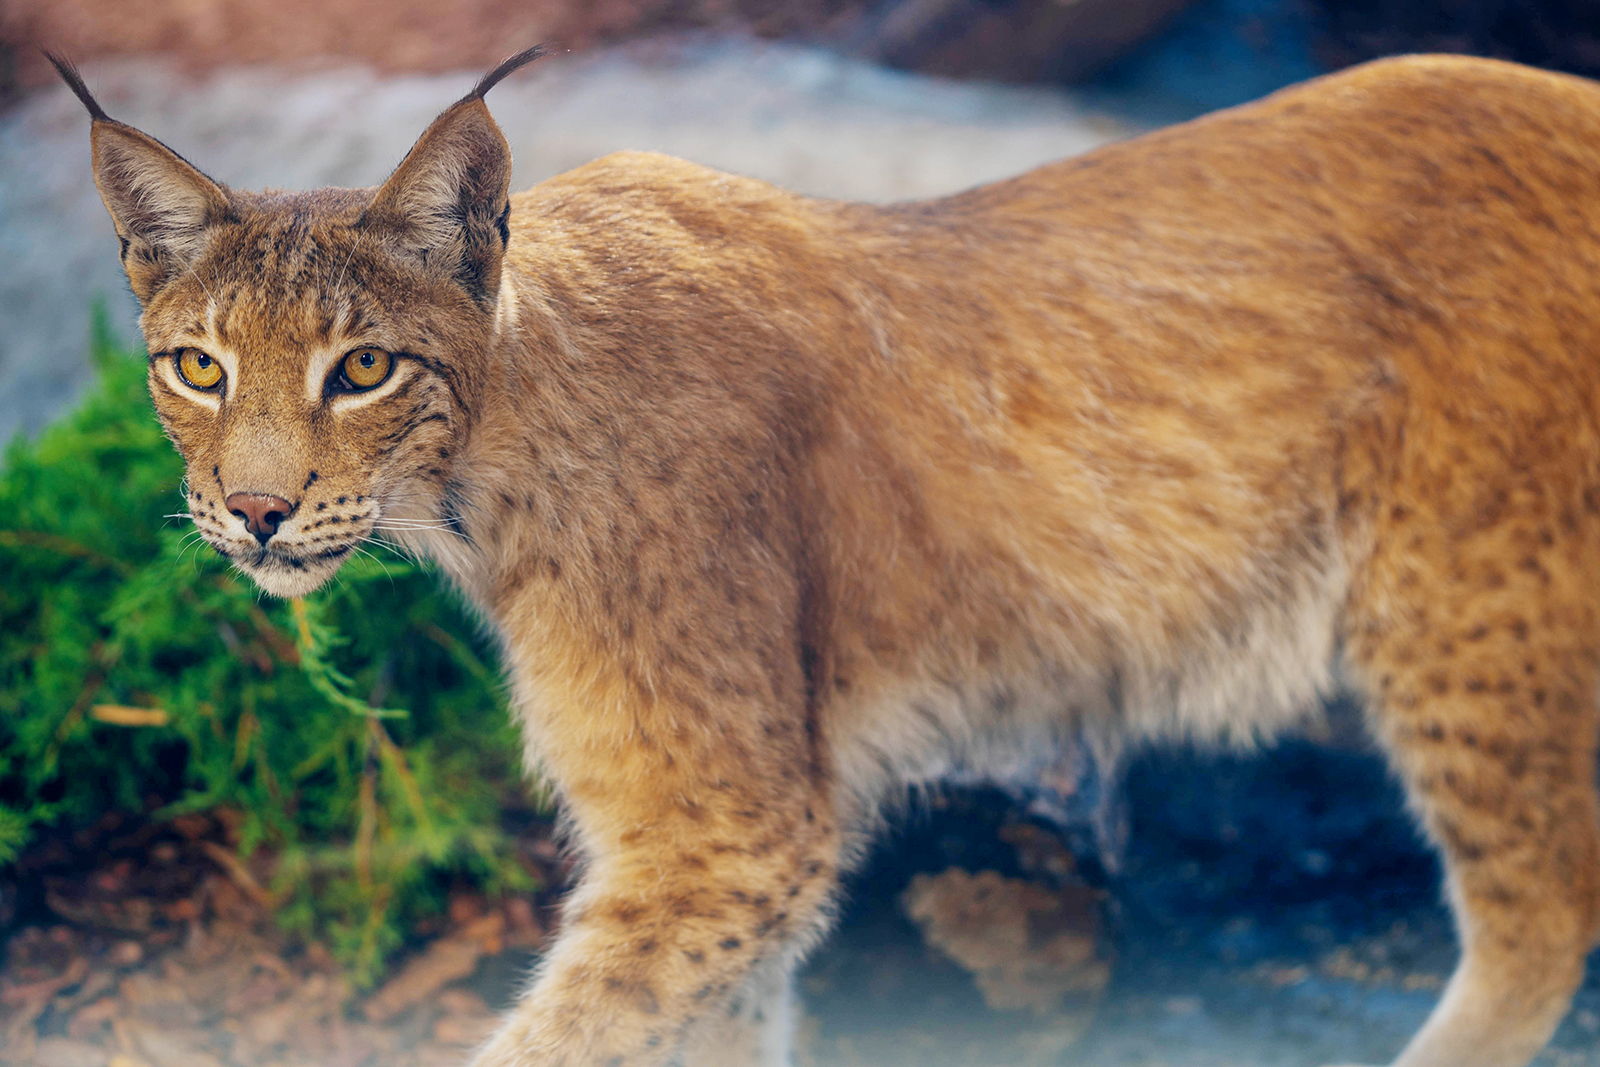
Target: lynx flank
[[778, 504]]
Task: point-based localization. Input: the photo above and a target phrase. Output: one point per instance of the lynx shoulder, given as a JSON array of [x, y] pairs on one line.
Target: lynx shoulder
[[780, 504]]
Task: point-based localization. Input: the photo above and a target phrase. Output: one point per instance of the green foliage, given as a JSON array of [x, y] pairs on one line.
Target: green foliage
[[136, 671]]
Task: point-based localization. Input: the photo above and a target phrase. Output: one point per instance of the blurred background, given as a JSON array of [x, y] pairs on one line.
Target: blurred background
[[876, 99], [1176, 907]]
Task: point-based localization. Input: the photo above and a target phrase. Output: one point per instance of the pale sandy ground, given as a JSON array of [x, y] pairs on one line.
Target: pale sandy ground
[[801, 117]]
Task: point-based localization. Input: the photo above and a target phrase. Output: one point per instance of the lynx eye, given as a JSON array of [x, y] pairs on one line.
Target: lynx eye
[[198, 370], [364, 368]]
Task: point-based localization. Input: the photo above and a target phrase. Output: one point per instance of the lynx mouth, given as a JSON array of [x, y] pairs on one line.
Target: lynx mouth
[[283, 572], [268, 554]]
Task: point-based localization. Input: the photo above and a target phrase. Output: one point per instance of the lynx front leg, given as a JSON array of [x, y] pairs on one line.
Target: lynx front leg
[[756, 1026], [1485, 699], [711, 851], [676, 947]]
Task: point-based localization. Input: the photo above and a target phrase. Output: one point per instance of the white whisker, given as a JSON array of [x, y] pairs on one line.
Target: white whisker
[[374, 558], [192, 542], [204, 286], [359, 235], [396, 548], [414, 526]]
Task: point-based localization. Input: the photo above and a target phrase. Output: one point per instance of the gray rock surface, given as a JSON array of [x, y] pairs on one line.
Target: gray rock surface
[[803, 118]]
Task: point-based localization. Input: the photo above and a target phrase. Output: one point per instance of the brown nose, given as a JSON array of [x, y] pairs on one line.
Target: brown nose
[[261, 512]]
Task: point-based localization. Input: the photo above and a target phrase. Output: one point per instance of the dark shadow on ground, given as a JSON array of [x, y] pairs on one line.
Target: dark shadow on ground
[[1269, 909]]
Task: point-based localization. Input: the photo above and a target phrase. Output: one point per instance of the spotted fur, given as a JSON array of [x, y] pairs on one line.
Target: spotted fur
[[780, 504]]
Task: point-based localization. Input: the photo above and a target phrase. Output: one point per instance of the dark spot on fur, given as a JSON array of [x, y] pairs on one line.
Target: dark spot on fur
[[729, 943], [1460, 847]]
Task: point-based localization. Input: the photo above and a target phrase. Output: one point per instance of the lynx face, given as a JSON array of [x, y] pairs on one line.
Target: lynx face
[[312, 412], [314, 356]]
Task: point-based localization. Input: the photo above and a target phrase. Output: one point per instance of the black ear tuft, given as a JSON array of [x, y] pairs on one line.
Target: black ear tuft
[[446, 203], [160, 204], [491, 79], [74, 80]]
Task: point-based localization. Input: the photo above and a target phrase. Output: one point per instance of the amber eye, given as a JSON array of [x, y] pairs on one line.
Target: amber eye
[[198, 370], [363, 369]]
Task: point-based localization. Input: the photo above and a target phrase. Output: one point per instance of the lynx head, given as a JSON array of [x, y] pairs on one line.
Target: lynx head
[[316, 357]]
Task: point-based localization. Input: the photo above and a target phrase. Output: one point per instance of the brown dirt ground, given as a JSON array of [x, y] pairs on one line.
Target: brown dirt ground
[[164, 952], [157, 947]]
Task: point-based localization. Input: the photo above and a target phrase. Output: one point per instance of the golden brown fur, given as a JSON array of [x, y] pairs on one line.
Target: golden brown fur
[[780, 504]]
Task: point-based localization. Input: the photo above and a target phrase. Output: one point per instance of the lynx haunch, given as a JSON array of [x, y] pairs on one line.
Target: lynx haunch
[[780, 504]]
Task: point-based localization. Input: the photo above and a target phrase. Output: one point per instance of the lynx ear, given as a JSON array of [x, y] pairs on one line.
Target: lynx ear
[[160, 204], [447, 201]]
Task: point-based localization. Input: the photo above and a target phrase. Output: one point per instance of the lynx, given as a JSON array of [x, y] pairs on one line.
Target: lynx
[[778, 505]]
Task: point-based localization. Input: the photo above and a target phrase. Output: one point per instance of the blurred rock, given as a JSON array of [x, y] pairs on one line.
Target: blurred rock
[[1013, 40], [1009, 40], [445, 961], [1028, 947], [390, 35], [65, 1052], [1557, 34]]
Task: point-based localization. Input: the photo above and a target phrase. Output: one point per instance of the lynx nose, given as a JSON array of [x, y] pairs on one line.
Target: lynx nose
[[261, 512]]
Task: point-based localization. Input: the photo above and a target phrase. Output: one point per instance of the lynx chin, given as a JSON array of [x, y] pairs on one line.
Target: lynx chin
[[780, 504]]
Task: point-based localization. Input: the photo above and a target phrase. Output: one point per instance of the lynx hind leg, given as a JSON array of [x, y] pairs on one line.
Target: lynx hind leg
[[1479, 656]]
